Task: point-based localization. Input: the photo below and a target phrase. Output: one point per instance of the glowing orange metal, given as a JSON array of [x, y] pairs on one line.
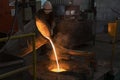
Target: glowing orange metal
[[56, 70], [42, 27], [112, 29]]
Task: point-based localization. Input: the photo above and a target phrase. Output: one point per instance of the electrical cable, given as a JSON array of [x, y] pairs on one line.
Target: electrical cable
[[115, 11], [14, 19]]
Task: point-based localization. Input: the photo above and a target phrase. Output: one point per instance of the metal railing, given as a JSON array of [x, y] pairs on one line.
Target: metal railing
[[32, 35]]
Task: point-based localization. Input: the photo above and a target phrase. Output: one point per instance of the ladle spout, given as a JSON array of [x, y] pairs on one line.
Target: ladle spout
[[43, 28]]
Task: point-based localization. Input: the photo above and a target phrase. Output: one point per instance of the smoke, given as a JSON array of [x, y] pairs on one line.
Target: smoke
[[61, 39], [68, 33]]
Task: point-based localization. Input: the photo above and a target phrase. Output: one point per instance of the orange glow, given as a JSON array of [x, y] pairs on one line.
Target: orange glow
[[112, 28], [56, 70], [43, 29], [63, 67], [58, 66]]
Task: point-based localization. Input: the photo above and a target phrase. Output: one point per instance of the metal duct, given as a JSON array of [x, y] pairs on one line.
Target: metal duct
[[59, 2]]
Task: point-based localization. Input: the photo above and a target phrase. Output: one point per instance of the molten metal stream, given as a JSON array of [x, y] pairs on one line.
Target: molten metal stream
[[46, 33], [58, 66]]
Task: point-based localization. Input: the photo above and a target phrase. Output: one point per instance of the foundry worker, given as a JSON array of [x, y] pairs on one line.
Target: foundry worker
[[17, 48], [46, 15]]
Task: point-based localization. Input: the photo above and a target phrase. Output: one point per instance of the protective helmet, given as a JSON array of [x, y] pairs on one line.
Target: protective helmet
[[47, 5]]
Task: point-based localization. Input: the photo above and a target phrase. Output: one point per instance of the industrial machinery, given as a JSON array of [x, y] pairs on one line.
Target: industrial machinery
[[77, 65], [39, 41]]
